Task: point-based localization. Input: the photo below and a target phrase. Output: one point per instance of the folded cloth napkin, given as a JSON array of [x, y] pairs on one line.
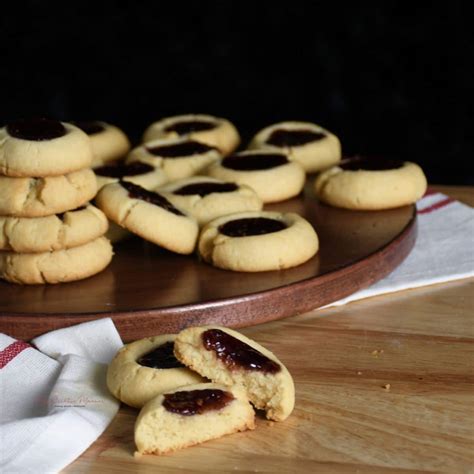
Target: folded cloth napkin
[[54, 404], [444, 249]]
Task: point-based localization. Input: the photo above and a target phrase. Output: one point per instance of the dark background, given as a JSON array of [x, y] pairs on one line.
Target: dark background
[[392, 78]]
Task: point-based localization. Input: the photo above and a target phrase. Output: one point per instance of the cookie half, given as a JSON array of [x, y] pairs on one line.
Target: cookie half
[[143, 369], [207, 198], [371, 184], [108, 142], [149, 215], [214, 131], [258, 241], [311, 145], [43, 147], [271, 174], [59, 266], [228, 357], [59, 231], [37, 197], [191, 415], [178, 157], [145, 175]]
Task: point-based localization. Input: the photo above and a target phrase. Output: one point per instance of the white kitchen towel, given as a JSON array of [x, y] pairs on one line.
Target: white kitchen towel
[[53, 409], [95, 340], [444, 249]]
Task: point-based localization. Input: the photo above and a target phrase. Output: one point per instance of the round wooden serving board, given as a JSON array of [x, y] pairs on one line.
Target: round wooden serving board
[[149, 291]]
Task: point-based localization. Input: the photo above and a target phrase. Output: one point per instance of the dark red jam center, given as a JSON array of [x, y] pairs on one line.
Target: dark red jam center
[[254, 162], [36, 129], [236, 354], [297, 137], [203, 189], [90, 127], [370, 164], [120, 170], [251, 226], [161, 358], [182, 149], [189, 126], [196, 402], [137, 192]]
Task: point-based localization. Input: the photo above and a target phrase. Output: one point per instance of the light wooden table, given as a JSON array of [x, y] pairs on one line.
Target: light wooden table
[[382, 385]]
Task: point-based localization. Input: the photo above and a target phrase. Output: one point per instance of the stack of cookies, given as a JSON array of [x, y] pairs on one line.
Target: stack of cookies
[[49, 233]]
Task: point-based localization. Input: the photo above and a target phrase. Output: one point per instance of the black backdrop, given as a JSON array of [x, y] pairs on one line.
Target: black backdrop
[[393, 78]]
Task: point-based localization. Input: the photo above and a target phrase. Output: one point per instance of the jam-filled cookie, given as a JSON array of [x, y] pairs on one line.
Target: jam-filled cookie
[[213, 131], [178, 157], [312, 146], [58, 266], [371, 184], [228, 357], [108, 142], [207, 198], [37, 197], [258, 241], [143, 369], [145, 175], [149, 215], [192, 415], [43, 147], [270, 173], [55, 232]]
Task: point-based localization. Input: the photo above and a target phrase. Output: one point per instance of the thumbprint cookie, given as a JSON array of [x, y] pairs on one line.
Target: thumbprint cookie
[[207, 198], [150, 215], [43, 147], [270, 173], [145, 368], [312, 146], [178, 157], [108, 142], [214, 131], [363, 183], [258, 241]]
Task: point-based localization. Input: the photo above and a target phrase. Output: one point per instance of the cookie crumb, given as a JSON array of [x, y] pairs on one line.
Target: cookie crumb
[[359, 372], [386, 387], [376, 352]]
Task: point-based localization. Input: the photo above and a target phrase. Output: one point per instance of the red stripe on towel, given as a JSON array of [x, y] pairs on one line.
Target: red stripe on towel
[[436, 206], [11, 351]]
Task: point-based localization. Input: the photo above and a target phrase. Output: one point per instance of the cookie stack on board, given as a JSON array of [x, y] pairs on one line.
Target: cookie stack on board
[[49, 233]]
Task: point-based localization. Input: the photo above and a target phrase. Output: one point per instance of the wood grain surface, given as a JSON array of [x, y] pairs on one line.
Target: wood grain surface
[[147, 290], [384, 384]]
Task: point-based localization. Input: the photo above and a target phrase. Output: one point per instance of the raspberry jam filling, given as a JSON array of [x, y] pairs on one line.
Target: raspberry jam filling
[[196, 402], [236, 354]]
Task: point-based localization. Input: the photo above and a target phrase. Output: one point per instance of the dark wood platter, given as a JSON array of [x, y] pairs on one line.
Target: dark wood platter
[[148, 291]]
